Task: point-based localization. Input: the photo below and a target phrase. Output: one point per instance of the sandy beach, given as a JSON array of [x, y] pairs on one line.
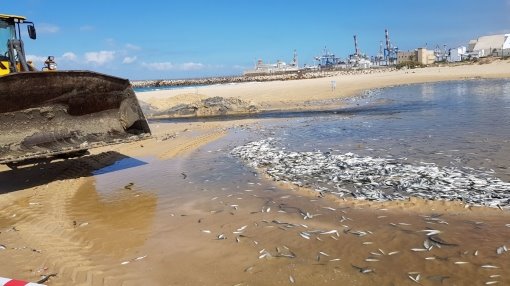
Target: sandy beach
[[304, 94], [65, 218]]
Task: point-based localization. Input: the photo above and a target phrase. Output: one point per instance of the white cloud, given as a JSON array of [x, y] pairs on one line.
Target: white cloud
[[46, 28], [132, 47], [70, 56], [191, 66], [99, 58], [36, 59], [86, 28], [129, 60], [162, 66], [166, 66]]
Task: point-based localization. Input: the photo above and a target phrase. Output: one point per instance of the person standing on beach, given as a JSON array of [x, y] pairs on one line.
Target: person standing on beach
[[333, 85]]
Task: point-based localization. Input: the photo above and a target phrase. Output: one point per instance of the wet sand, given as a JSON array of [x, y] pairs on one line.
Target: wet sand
[[112, 228]]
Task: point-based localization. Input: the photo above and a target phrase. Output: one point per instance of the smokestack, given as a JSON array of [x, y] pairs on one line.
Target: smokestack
[[356, 50], [388, 45]]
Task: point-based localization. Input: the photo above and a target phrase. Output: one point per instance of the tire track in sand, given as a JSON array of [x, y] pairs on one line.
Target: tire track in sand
[[192, 144]]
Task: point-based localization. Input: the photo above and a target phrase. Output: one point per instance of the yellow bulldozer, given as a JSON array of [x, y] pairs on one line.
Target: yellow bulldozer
[[52, 114]]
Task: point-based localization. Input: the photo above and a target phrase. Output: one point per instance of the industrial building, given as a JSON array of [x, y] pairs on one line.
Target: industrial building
[[420, 55], [457, 54], [492, 45]]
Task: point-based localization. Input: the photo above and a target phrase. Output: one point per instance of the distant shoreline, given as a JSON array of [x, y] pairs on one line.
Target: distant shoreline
[[295, 75], [307, 94]]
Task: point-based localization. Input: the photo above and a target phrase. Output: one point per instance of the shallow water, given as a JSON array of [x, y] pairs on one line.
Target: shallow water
[[185, 204], [462, 123]]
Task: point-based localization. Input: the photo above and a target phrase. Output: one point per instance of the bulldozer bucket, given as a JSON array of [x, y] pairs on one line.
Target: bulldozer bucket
[[46, 114]]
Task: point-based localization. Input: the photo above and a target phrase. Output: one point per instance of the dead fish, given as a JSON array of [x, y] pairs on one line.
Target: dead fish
[[334, 259], [491, 282], [438, 240], [140, 257], [334, 231], [368, 243], [372, 260], [307, 215], [488, 266], [363, 269], [358, 233], [430, 232], [291, 279], [2, 247], [501, 249], [419, 249], [221, 237], [460, 262], [430, 258], [393, 252], [45, 278], [205, 231], [265, 254], [304, 235], [415, 279]]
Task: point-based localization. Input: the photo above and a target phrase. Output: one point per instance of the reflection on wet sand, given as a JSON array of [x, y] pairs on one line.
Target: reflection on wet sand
[[116, 224], [260, 234]]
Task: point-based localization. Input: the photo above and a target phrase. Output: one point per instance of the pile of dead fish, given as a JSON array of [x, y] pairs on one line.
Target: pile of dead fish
[[378, 179]]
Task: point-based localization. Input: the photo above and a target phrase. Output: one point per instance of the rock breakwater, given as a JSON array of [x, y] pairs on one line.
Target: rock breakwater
[[253, 78]]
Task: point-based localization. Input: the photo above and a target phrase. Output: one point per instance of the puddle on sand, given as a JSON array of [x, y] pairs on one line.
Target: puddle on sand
[[206, 219]]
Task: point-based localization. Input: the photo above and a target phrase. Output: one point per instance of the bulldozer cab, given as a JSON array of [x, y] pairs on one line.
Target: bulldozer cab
[[12, 53], [58, 114]]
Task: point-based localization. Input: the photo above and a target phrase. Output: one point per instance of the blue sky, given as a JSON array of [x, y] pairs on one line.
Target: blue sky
[[156, 39]]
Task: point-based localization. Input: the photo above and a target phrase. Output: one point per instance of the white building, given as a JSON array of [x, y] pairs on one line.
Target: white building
[[278, 67], [493, 45], [457, 54]]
